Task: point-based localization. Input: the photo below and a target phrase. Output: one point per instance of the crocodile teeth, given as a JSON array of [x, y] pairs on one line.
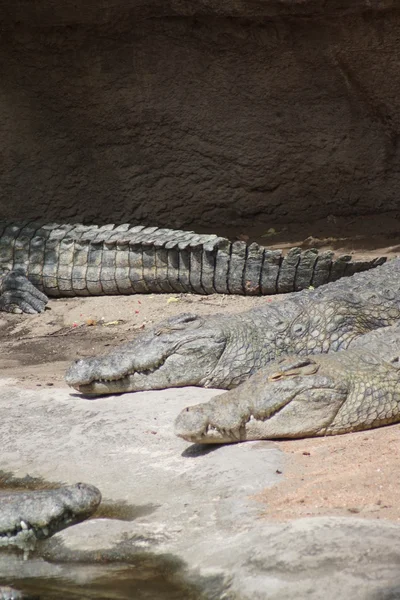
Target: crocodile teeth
[[147, 371], [24, 527]]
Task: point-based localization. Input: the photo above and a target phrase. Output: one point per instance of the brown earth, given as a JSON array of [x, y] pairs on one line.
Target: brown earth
[[355, 474], [362, 238], [37, 349], [344, 475]]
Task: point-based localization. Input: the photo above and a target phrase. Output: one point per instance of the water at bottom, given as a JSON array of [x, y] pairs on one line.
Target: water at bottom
[[104, 582]]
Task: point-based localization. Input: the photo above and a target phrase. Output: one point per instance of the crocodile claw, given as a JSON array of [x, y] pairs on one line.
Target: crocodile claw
[[19, 295]]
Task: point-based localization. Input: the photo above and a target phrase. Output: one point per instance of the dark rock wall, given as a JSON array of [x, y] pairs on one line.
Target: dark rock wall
[[200, 121]]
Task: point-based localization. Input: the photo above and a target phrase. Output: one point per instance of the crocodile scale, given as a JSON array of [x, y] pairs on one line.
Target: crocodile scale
[[79, 260]]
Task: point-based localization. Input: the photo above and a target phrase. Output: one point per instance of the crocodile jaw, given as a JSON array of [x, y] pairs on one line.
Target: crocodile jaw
[[174, 372], [26, 517], [296, 400], [178, 352]]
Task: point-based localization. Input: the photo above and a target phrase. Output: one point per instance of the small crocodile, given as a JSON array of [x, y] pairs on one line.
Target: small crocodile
[[39, 260], [30, 516], [26, 517]]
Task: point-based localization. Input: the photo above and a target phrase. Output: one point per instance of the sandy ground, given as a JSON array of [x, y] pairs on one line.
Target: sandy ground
[[344, 475], [366, 237]]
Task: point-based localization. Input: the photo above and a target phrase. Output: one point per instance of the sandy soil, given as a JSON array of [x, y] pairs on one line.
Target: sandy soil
[[354, 474], [351, 474]]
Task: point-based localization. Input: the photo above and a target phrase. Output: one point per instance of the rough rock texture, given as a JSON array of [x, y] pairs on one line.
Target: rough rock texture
[[198, 117], [48, 12]]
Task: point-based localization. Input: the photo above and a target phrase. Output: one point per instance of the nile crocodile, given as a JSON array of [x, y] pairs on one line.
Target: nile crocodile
[[78, 260], [325, 394], [27, 517], [292, 397], [221, 351]]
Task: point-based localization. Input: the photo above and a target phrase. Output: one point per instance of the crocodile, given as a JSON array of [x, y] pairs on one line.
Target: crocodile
[[324, 394], [319, 362], [29, 516], [40, 260], [222, 351]]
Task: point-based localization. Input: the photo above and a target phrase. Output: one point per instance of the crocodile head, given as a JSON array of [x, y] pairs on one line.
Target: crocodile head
[[180, 351], [34, 515], [291, 398]]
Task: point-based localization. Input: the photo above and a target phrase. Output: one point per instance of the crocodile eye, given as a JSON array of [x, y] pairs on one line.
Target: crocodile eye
[[186, 318], [389, 294], [370, 360], [299, 329], [395, 361]]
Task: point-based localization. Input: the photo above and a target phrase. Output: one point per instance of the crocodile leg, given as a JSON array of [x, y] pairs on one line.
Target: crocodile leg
[[17, 294]]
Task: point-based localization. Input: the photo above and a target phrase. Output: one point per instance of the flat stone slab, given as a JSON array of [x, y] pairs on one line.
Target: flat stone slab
[[125, 445], [191, 506]]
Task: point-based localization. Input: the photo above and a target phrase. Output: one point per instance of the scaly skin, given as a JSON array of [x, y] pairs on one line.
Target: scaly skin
[[79, 260], [301, 397], [18, 295], [26, 517], [222, 351]]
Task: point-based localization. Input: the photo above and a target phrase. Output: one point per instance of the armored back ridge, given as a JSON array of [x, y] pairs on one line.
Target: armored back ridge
[[79, 260]]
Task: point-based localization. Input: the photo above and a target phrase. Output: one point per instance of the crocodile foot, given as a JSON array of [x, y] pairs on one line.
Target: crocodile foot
[[19, 295]]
